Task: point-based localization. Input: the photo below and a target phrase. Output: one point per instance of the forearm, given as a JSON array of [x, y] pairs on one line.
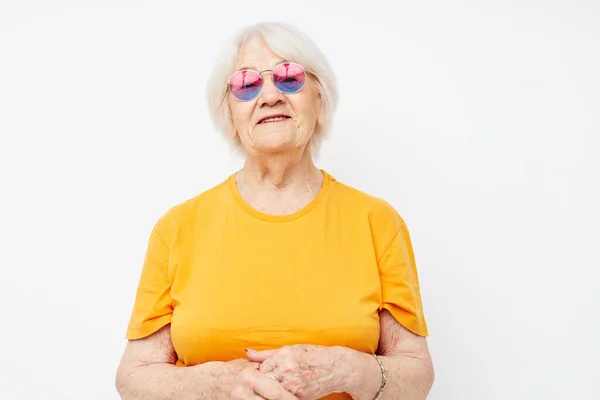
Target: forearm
[[409, 375], [164, 381]]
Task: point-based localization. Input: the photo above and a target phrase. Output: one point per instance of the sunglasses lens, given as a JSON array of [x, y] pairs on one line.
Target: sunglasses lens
[[289, 77], [245, 85]]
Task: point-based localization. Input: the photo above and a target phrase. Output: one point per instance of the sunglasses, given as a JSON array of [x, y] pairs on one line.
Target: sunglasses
[[287, 77]]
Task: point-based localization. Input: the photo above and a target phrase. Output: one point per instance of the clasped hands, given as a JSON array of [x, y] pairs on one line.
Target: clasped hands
[[303, 372]]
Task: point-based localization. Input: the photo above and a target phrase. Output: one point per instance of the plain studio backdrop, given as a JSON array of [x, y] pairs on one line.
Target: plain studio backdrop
[[477, 121]]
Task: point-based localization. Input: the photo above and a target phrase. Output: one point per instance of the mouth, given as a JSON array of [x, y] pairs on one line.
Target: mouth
[[273, 119]]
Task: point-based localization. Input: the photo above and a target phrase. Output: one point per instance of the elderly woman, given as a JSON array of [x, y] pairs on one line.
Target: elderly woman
[[281, 282]]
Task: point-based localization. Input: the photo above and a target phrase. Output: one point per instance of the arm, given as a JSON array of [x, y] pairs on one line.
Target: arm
[[408, 365], [312, 371], [147, 371]]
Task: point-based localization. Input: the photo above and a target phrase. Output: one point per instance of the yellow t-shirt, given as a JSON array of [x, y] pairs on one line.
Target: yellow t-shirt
[[228, 277]]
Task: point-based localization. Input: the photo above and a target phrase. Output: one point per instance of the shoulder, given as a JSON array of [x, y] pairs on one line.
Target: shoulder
[[379, 211], [180, 214]]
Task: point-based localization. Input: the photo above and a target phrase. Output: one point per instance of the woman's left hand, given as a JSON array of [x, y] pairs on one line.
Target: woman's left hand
[[307, 371]]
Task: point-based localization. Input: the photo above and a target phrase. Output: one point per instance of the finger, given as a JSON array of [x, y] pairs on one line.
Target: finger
[[281, 395], [259, 356], [269, 365], [285, 395], [266, 387]]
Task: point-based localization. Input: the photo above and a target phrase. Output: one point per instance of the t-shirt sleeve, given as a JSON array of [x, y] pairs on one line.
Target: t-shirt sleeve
[[400, 283], [153, 304]]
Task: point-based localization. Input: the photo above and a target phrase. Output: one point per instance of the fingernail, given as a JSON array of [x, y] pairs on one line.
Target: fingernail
[[250, 351]]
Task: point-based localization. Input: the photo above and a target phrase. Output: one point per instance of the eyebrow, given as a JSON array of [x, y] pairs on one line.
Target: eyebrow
[[256, 69]]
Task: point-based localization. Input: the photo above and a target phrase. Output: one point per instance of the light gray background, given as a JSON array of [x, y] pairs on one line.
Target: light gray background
[[477, 120]]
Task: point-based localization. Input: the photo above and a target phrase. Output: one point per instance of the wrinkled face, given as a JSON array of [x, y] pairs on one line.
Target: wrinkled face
[[301, 110]]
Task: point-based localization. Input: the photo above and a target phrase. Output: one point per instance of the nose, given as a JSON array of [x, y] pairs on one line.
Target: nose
[[269, 94]]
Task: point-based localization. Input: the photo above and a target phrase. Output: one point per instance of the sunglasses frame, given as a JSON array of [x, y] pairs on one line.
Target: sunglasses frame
[[272, 79]]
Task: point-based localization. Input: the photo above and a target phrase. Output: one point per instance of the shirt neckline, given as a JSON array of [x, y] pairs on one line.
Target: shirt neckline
[[280, 218]]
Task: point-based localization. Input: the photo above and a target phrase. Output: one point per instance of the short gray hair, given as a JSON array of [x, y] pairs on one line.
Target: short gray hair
[[288, 43]]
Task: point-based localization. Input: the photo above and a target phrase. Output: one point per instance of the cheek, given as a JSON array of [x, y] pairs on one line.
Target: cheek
[[241, 115], [310, 105], [308, 110], [308, 116]]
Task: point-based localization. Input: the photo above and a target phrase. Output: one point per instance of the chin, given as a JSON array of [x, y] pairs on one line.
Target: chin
[[274, 143], [273, 148]]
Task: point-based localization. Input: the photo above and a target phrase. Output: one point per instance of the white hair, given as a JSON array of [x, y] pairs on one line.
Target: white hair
[[288, 43]]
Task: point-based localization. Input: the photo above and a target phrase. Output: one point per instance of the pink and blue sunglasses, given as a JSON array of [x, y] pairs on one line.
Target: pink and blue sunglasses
[[288, 77]]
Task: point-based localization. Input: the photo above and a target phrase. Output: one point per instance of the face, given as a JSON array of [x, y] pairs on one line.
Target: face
[[302, 108]]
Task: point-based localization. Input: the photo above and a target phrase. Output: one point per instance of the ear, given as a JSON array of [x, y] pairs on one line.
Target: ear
[[321, 112]]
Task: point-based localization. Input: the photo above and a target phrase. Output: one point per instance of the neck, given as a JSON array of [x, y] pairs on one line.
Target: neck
[[279, 171]]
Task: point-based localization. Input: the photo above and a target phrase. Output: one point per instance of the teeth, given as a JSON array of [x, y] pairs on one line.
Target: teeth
[[273, 119]]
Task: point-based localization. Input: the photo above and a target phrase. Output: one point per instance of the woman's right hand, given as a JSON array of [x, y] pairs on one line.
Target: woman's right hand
[[147, 370], [249, 383]]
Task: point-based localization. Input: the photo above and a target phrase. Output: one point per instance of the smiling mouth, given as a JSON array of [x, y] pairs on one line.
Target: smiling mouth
[[274, 120]]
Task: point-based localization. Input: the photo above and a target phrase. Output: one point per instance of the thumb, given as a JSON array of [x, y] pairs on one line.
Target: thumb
[[259, 356]]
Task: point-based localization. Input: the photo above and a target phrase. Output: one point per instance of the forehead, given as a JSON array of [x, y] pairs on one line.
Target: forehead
[[256, 54]]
